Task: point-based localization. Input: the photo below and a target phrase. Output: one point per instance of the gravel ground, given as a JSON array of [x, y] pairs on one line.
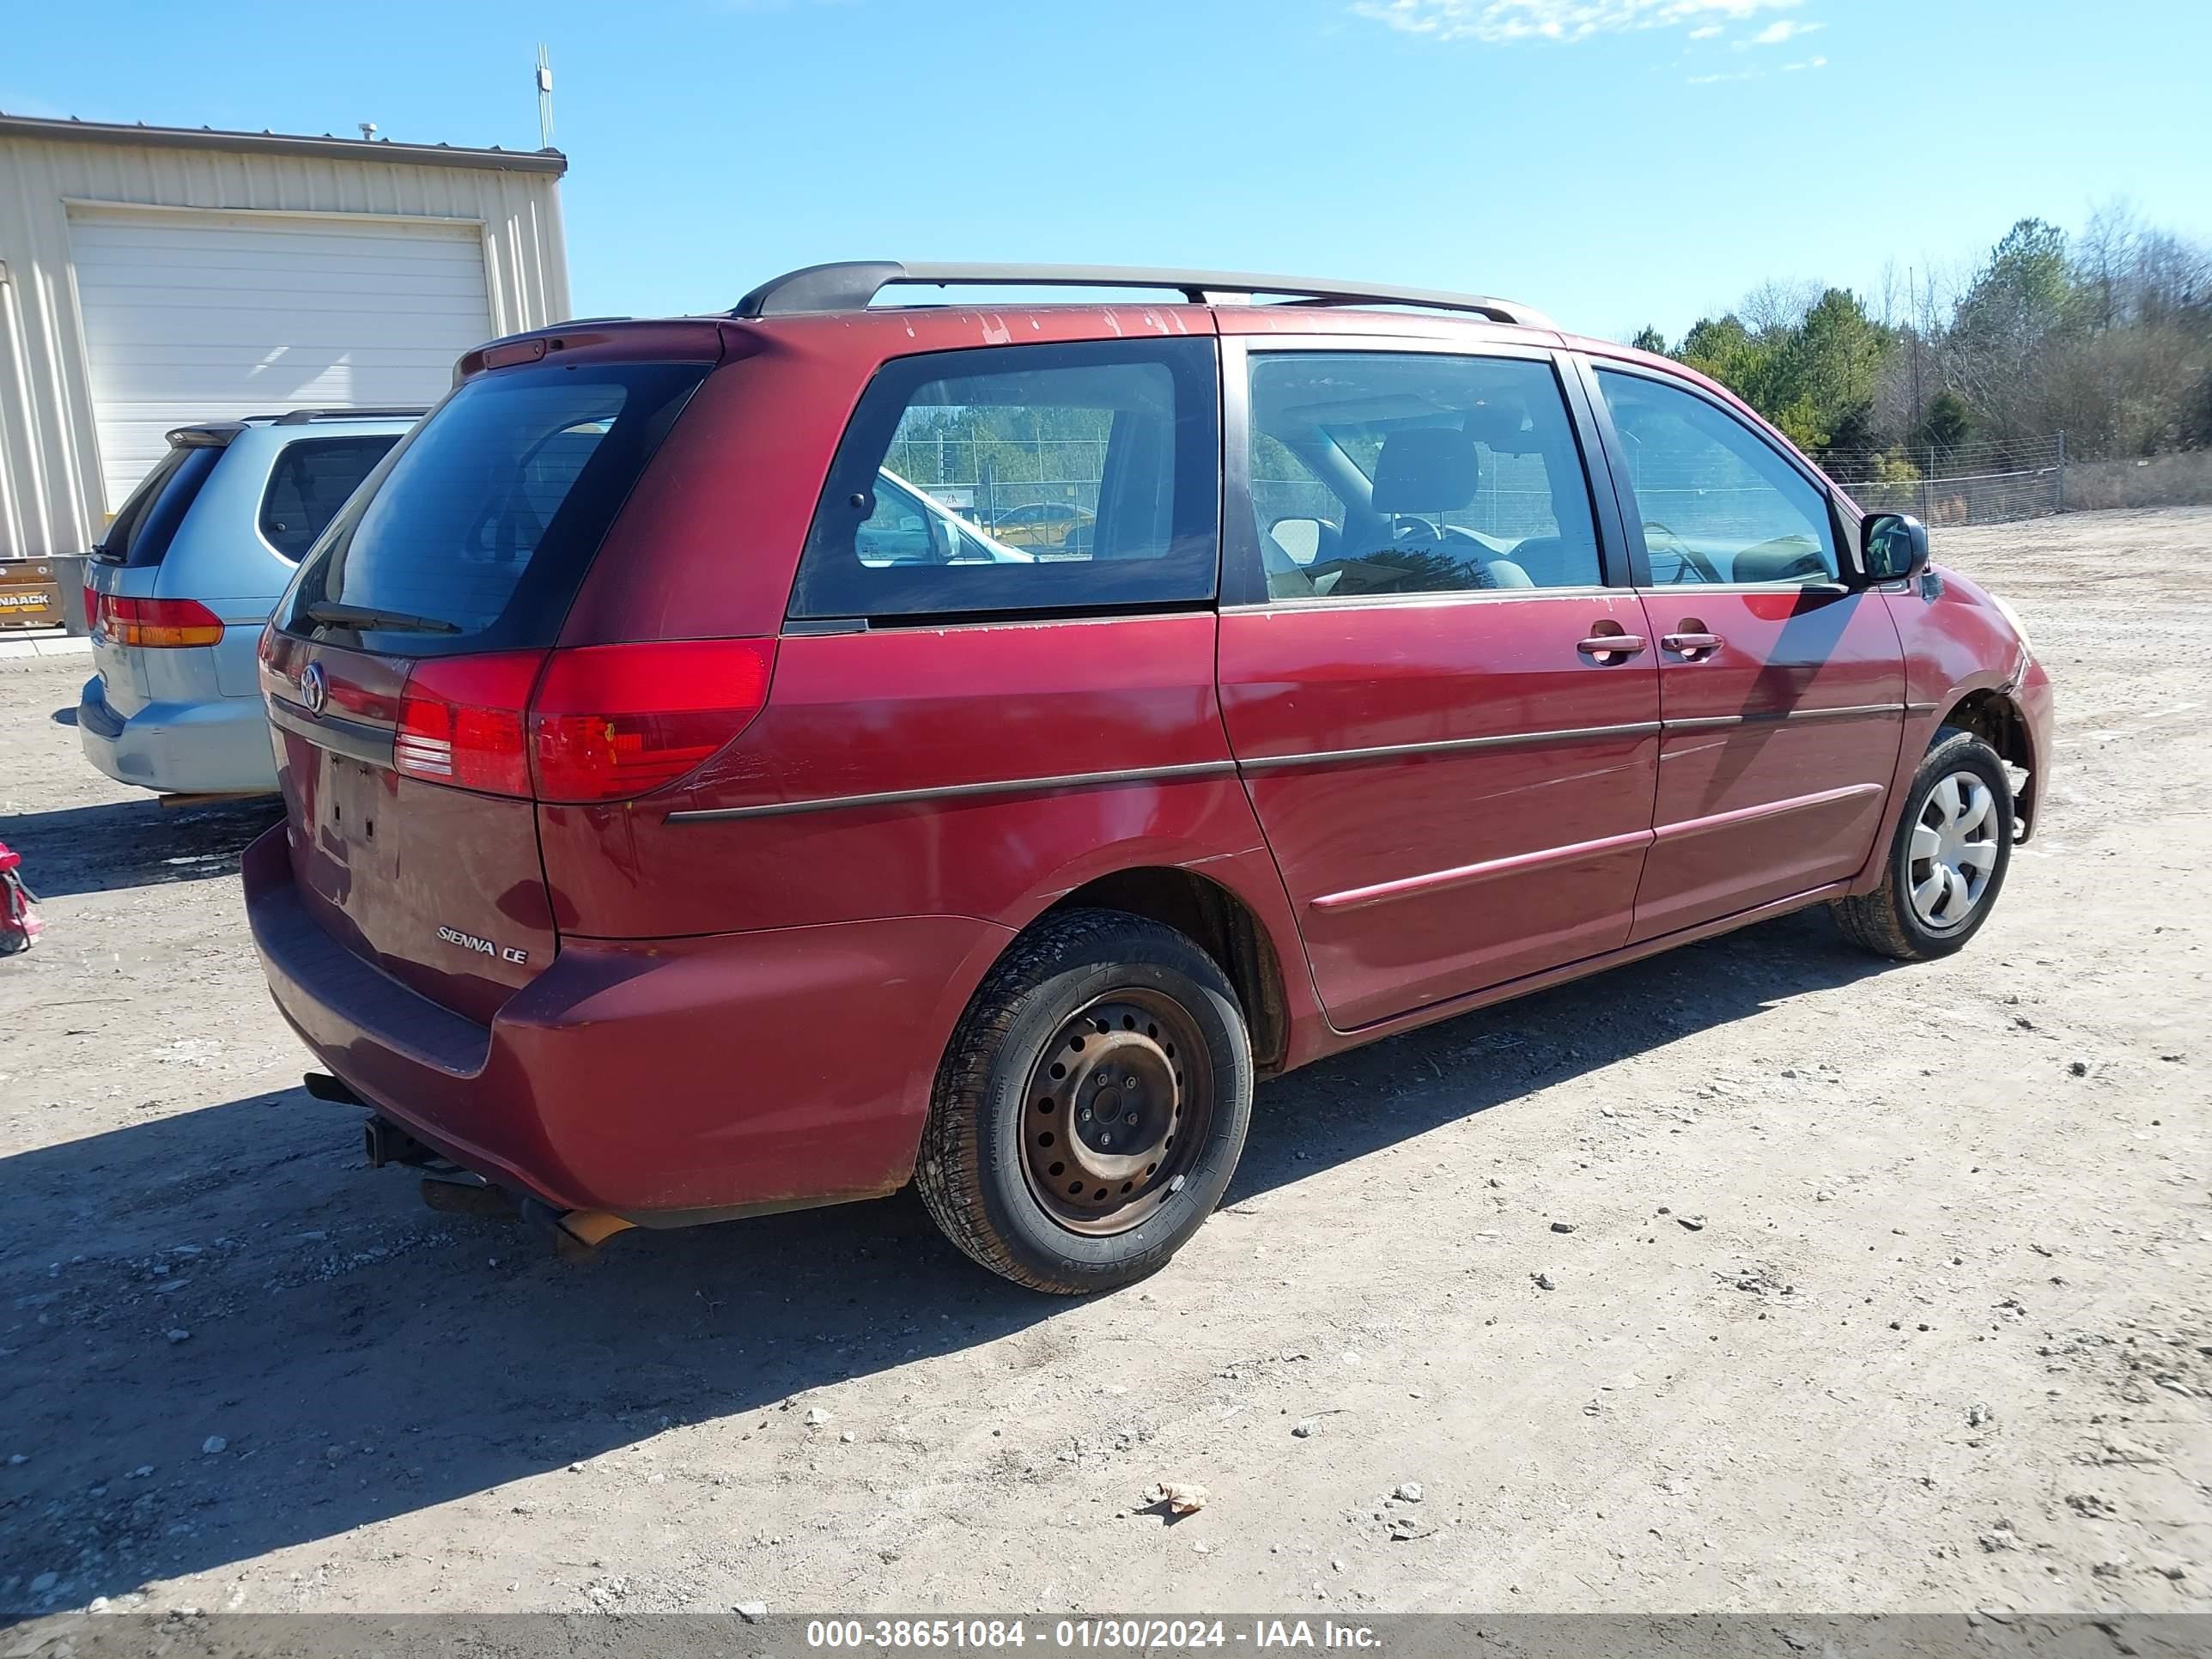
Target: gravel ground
[[1942, 1340]]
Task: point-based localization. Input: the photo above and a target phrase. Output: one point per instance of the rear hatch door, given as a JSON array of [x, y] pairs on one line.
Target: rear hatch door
[[126, 561], [402, 659]]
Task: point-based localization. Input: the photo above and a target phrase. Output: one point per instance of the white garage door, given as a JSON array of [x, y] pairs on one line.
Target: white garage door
[[195, 316]]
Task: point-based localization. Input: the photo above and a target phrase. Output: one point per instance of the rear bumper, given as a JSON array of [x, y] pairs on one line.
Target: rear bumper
[[667, 1081], [217, 746]]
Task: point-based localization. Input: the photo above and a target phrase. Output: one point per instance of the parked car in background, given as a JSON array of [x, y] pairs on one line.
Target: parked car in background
[[908, 526], [176, 593], [1057, 526], [656, 853]]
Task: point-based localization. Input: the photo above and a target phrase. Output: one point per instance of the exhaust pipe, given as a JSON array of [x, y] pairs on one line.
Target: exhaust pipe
[[323, 1086], [576, 1235]]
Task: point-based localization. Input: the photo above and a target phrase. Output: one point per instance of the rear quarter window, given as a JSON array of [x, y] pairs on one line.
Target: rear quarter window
[[311, 480], [1022, 478]]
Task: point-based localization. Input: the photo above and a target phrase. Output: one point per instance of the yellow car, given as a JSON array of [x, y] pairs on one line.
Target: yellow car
[[1057, 525]]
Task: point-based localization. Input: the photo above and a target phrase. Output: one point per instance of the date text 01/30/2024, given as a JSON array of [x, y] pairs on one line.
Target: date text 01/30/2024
[[1090, 1635]]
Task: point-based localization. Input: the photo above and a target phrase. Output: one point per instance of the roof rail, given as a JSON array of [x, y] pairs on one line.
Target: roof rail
[[303, 417], [850, 285]]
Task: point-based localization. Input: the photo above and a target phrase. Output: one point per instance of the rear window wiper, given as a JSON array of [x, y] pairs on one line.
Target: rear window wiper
[[330, 614]]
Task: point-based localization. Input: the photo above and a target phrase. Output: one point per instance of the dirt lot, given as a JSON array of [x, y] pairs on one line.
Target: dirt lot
[[1944, 1339]]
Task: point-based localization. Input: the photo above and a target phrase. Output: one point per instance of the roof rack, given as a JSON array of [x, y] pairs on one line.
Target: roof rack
[[850, 285], [303, 417]]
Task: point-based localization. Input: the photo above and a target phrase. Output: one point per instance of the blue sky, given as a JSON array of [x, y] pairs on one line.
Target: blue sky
[[1612, 161]]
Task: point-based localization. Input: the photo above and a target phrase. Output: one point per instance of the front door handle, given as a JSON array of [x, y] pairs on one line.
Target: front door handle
[[1612, 647], [1693, 646]]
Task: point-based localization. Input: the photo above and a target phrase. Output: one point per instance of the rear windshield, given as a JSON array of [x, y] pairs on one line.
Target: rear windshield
[[485, 517], [141, 532]]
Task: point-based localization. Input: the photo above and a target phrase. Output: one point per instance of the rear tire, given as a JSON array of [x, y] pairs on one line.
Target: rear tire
[[1948, 861], [1091, 1107]]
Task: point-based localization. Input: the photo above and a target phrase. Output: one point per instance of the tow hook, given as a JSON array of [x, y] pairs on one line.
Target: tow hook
[[576, 1235]]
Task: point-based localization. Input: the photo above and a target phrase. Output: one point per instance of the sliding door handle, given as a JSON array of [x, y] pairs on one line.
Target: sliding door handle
[[1612, 647], [1693, 646]]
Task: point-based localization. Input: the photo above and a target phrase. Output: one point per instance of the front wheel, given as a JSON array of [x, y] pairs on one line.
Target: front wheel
[[1092, 1106], [1948, 861]]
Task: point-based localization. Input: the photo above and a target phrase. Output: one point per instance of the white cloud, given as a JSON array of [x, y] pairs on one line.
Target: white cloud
[[1806, 64], [1500, 22], [1774, 34]]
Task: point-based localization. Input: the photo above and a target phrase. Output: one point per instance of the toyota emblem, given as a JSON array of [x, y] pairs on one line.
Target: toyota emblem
[[315, 688]]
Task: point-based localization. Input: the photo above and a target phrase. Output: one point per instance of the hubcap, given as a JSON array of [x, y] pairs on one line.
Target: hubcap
[[1953, 852], [1116, 1109]]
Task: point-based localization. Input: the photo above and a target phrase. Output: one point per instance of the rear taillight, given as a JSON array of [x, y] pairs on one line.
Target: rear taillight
[[91, 605], [152, 623], [607, 722], [461, 722], [612, 722]]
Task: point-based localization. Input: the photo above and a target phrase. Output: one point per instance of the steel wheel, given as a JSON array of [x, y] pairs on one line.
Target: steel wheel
[[1118, 1107], [1953, 852]]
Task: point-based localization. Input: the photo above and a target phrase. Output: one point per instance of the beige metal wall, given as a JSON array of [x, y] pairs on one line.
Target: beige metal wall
[[52, 499]]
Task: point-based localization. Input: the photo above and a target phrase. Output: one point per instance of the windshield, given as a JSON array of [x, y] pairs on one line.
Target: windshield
[[487, 516]]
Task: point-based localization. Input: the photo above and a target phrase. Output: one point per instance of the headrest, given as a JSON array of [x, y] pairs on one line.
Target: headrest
[[1425, 469], [1497, 421]]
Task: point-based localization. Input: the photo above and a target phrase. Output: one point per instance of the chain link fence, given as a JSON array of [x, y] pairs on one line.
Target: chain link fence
[[1987, 481]]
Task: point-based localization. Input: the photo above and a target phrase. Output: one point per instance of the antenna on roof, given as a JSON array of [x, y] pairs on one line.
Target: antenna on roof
[[545, 98]]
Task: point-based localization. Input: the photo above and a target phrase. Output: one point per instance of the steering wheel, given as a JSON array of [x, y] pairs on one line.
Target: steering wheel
[[1707, 571]]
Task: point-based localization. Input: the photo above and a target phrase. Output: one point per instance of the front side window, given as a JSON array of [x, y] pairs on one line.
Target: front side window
[[310, 483], [1379, 473], [1022, 478], [1717, 503]]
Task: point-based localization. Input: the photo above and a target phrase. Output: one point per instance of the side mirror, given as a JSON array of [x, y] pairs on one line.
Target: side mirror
[[1894, 547], [1299, 538]]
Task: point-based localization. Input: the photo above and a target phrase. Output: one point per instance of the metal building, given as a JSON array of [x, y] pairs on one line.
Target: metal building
[[155, 276]]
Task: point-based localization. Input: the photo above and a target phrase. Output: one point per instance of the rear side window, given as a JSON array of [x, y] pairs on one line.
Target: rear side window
[[310, 483], [1022, 478], [486, 516], [141, 532], [1413, 472]]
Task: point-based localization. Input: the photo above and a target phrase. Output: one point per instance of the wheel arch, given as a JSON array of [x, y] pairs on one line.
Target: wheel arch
[[1222, 923], [1995, 716]]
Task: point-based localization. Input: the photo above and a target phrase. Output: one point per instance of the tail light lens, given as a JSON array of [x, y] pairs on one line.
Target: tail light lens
[[612, 721], [461, 721], [152, 623], [607, 722], [91, 605]]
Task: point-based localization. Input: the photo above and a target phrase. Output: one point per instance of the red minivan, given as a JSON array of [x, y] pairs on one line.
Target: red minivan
[[706, 795]]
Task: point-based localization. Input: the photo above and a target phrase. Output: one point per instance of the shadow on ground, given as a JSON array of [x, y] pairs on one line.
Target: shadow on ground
[[364, 1359], [134, 843]]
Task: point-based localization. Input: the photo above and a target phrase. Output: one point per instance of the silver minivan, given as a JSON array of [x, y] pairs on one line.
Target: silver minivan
[[176, 593]]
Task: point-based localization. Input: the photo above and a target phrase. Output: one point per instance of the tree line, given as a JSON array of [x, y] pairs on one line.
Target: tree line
[[2106, 336]]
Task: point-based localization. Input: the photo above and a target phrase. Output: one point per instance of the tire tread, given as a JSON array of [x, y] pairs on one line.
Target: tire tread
[[1874, 922], [949, 1171]]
